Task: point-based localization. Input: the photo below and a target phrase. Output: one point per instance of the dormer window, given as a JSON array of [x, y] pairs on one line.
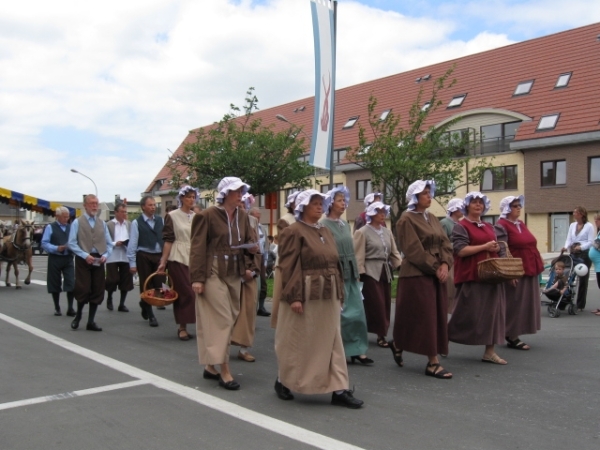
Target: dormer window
[[524, 87], [457, 100], [563, 80], [351, 122], [548, 122]]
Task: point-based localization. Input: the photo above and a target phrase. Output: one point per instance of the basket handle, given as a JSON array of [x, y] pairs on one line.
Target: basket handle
[[169, 280], [508, 254]]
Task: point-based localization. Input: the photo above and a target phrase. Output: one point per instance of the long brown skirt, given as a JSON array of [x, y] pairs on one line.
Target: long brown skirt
[[378, 303], [309, 349], [184, 308], [245, 325], [421, 324], [523, 308], [277, 288], [479, 316]]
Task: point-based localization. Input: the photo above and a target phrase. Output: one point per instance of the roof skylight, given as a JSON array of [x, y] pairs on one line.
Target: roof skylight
[[426, 106], [384, 115], [457, 100], [548, 122], [524, 87], [351, 122], [563, 80]]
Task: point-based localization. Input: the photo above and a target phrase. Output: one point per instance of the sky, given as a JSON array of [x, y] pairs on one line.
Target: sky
[[109, 88]]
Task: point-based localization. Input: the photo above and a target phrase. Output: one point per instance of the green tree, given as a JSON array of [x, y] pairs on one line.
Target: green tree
[[397, 156], [240, 145]]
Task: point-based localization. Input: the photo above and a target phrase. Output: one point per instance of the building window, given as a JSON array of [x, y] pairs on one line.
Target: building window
[[496, 138], [458, 140], [384, 115], [445, 184], [554, 173], [524, 87], [325, 187], [594, 169], [563, 80], [548, 122], [203, 202], [339, 156], [304, 158], [260, 201], [457, 100], [490, 219], [351, 122], [500, 179], [363, 188], [289, 192]]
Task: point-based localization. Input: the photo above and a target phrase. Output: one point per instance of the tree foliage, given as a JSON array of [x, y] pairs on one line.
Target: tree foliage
[[397, 156], [240, 145]]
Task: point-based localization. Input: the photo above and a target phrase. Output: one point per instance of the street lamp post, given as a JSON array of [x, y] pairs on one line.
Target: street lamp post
[[84, 175]]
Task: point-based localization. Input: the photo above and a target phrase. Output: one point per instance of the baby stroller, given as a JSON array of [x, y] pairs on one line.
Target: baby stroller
[[556, 300]]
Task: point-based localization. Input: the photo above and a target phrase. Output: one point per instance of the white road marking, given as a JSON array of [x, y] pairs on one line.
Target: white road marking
[[257, 419], [38, 282], [65, 395]]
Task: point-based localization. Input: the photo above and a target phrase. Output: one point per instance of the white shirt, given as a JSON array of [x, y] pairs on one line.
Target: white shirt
[[119, 254], [585, 237]]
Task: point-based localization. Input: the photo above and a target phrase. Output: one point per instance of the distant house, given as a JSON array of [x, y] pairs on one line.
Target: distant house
[[534, 106]]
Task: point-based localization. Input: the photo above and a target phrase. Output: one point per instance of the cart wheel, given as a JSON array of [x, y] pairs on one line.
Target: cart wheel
[[553, 311], [572, 310]]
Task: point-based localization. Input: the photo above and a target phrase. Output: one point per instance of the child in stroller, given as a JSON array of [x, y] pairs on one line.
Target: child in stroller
[[561, 288]]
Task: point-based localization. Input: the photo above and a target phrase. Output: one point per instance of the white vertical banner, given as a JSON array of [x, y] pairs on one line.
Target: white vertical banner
[[324, 37]]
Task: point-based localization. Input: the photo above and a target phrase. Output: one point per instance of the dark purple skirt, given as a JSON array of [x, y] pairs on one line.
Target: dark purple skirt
[[378, 303], [184, 308]]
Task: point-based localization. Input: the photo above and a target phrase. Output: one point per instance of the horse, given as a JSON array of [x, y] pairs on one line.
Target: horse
[[16, 248]]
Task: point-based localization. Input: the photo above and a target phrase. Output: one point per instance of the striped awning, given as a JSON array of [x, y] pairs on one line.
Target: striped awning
[[32, 203]]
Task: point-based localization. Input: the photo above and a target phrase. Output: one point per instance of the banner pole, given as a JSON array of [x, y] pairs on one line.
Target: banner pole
[[331, 159]]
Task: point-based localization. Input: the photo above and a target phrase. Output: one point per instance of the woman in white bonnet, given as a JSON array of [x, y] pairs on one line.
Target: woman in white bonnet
[[421, 303], [522, 299], [216, 271]]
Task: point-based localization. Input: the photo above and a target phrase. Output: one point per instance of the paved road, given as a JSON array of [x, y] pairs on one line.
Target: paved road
[[137, 387]]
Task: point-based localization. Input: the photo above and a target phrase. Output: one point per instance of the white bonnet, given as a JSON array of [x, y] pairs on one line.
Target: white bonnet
[[456, 204], [370, 198], [303, 199], [416, 188], [248, 200], [331, 196], [183, 192], [373, 207], [505, 204], [230, 184], [476, 194], [291, 199]]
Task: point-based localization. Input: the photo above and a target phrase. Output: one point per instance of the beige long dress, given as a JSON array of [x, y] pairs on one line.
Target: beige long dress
[[309, 348]]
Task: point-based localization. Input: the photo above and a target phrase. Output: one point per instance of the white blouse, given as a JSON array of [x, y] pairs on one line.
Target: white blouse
[[585, 237]]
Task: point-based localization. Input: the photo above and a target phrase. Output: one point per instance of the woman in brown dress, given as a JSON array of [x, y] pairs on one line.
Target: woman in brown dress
[[308, 342], [176, 257], [217, 266], [375, 251], [522, 298], [421, 324], [479, 315]]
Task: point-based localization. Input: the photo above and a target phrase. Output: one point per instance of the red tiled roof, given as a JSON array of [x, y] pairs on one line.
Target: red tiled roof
[[489, 79]]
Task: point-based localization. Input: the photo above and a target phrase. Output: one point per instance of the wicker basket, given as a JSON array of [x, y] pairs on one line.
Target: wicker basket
[[154, 296], [499, 270]]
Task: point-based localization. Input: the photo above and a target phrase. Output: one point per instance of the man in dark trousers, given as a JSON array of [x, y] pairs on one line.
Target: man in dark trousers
[[118, 274], [91, 243], [145, 250], [60, 275]]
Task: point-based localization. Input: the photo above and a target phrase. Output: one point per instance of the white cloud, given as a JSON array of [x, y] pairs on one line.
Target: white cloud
[[140, 74]]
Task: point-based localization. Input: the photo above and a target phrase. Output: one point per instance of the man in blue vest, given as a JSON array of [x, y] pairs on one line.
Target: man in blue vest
[[60, 275], [90, 241], [145, 250]]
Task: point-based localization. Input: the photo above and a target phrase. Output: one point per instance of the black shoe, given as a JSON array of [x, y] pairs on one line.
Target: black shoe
[[75, 323], [160, 307], [263, 312], [123, 308], [144, 313], [365, 361], [346, 399], [397, 354], [71, 313], [93, 327], [153, 322], [210, 376], [109, 305], [57, 312], [230, 385], [282, 392]]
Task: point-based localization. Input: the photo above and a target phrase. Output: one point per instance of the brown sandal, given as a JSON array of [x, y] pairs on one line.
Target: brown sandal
[[382, 342], [494, 359], [184, 337]]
